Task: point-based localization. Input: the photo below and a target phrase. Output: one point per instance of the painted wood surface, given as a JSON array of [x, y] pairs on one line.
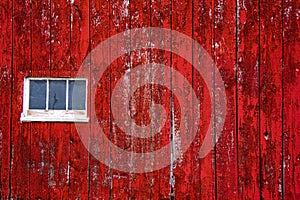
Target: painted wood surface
[[255, 46]]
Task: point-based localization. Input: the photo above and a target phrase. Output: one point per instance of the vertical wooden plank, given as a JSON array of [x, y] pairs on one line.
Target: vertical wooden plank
[[291, 90], [185, 186], [59, 169], [59, 160], [100, 175], [119, 22], [20, 131], [5, 94], [79, 156], [140, 185], [248, 99], [40, 139], [271, 99], [40, 132], [60, 38], [160, 17], [203, 18], [225, 58]]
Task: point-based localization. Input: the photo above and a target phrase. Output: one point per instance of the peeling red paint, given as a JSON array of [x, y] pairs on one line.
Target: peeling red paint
[[255, 45]]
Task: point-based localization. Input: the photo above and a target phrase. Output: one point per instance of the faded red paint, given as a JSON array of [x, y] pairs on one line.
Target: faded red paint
[[258, 63], [248, 102]]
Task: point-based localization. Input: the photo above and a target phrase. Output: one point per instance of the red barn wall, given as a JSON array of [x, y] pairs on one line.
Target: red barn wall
[[255, 45]]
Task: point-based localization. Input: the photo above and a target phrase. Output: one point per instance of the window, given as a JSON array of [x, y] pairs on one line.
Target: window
[[55, 99]]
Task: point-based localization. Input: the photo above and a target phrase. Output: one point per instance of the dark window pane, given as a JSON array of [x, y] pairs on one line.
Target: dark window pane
[[37, 94], [57, 95], [77, 95]]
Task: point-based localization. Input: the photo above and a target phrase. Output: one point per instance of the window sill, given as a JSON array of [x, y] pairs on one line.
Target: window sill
[[53, 116]]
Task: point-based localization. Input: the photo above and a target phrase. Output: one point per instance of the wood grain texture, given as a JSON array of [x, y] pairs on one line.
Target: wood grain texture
[[203, 34], [141, 185], [161, 17], [248, 100], [6, 71], [224, 44], [270, 121], [22, 61], [183, 180], [100, 175], [59, 167], [120, 20], [291, 90], [40, 132], [255, 45], [79, 156]]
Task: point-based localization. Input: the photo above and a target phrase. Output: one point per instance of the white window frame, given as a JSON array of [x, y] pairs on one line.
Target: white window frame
[[35, 115]]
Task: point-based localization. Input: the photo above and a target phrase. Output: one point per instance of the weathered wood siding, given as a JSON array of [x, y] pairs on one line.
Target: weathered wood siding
[[255, 45]]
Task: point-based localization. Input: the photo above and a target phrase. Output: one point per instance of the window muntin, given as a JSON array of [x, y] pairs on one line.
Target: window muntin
[[55, 99]]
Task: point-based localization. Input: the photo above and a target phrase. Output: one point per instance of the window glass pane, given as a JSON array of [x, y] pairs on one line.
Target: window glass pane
[[57, 95], [37, 94], [77, 94]]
